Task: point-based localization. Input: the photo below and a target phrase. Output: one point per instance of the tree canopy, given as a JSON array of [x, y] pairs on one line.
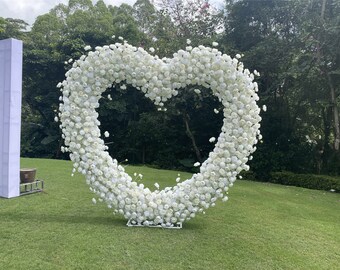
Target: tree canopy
[[295, 45]]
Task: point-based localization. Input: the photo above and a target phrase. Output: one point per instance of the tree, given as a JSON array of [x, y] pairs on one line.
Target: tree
[[193, 18], [320, 64], [177, 21], [12, 28], [2, 25], [55, 37], [146, 15], [294, 48]]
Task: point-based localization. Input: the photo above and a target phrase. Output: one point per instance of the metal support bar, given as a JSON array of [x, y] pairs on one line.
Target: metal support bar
[[132, 223], [33, 187]]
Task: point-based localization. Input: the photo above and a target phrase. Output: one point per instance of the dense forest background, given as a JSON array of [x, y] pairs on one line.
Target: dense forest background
[[295, 45]]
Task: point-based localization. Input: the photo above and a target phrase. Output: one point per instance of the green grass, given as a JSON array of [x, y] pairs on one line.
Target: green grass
[[262, 226]]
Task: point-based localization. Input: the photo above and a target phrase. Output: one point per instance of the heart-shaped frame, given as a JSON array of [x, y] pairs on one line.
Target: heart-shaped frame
[[159, 79]]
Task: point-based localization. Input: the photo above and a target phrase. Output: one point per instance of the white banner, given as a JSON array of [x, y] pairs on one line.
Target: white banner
[[10, 116]]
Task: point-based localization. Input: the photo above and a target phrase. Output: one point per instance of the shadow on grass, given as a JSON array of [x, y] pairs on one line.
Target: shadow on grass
[[90, 220], [69, 219]]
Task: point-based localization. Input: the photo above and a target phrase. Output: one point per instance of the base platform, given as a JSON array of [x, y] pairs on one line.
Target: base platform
[[177, 225], [32, 187]]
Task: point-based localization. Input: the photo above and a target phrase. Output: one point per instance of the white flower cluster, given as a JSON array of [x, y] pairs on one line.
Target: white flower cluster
[[159, 79]]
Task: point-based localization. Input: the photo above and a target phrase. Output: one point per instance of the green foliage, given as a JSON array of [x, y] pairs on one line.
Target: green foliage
[[146, 15], [2, 25], [56, 37], [280, 39], [295, 45], [126, 26], [142, 134], [311, 181], [192, 19], [12, 28]]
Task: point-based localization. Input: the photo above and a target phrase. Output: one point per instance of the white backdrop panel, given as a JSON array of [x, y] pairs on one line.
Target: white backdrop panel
[[10, 116]]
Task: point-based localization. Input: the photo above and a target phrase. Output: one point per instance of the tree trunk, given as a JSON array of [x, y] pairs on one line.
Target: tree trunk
[[332, 90], [335, 114], [191, 136], [324, 151], [143, 155]]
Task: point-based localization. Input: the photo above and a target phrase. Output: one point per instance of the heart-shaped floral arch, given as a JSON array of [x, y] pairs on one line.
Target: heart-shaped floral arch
[[159, 79]]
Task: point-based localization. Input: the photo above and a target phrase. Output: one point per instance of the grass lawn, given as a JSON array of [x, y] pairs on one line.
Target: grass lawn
[[262, 226]]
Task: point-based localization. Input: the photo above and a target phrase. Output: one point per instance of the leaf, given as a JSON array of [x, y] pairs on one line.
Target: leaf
[[187, 162], [335, 72], [49, 139]]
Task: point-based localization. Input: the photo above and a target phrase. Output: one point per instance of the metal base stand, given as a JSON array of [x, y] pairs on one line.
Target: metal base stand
[[132, 223], [32, 187]]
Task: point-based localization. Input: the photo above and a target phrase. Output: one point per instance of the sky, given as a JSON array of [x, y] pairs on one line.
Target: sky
[[28, 10]]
